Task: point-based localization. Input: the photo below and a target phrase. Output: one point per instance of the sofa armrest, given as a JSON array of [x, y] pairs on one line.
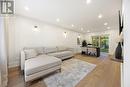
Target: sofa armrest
[[22, 60]]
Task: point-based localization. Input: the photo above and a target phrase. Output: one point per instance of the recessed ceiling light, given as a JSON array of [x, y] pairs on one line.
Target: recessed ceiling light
[[88, 1], [72, 25], [88, 31], [58, 20], [100, 16], [26, 8], [108, 27], [105, 23], [82, 29]]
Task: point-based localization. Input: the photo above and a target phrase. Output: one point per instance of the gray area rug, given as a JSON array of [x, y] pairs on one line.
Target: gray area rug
[[72, 71]]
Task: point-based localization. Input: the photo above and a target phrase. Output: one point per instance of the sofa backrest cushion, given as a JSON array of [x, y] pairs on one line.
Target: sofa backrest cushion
[[50, 49], [62, 48], [30, 53], [39, 50]]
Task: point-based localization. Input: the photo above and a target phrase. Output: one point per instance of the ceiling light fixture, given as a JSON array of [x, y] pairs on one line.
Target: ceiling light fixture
[[26, 8], [79, 36], [105, 23], [58, 20], [72, 25], [88, 1], [88, 31], [65, 34], [36, 29], [100, 16], [82, 29], [108, 27]]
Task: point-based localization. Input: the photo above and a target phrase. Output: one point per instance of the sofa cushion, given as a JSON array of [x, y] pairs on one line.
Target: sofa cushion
[[61, 54], [40, 50], [62, 48], [40, 63], [66, 53], [30, 53], [57, 54], [50, 49]]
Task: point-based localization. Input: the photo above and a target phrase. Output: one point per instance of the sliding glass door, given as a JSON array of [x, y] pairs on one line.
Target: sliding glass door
[[95, 41], [102, 42]]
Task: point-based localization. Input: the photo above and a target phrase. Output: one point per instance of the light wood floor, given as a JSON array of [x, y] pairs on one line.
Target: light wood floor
[[106, 74]]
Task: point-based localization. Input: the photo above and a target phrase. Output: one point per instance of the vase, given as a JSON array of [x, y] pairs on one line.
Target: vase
[[118, 52]]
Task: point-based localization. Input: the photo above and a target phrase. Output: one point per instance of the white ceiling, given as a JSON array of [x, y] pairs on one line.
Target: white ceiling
[[75, 12]]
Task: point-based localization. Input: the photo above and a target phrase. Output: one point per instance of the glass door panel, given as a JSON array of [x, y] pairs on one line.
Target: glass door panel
[[95, 41], [102, 42]]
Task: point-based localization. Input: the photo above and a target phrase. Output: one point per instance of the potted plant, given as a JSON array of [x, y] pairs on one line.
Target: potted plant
[[84, 44]]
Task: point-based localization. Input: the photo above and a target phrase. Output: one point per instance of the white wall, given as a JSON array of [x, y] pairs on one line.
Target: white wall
[[126, 66], [113, 35], [3, 53], [21, 35]]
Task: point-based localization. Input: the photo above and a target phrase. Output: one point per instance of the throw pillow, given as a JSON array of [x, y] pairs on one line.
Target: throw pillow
[[30, 53]]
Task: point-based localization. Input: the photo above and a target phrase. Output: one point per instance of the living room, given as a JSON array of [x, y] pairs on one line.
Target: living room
[[62, 44]]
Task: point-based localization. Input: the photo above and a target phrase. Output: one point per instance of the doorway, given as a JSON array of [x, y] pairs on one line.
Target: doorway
[[101, 41]]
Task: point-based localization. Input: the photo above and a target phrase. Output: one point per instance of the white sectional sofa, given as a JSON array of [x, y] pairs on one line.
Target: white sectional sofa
[[37, 62]]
